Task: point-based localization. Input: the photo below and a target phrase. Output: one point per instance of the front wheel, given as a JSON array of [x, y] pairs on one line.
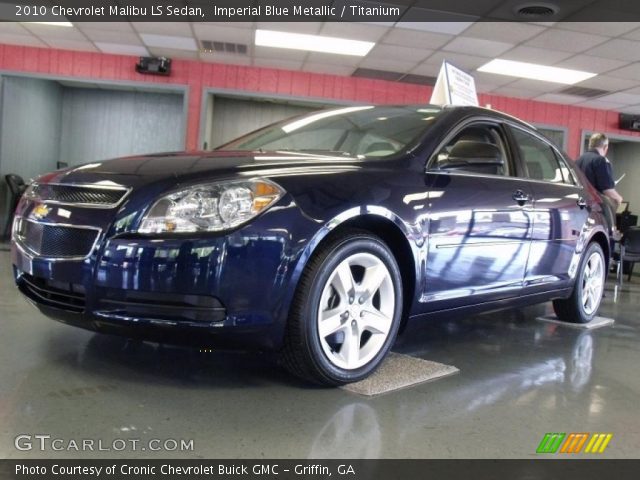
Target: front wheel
[[582, 306], [346, 311]]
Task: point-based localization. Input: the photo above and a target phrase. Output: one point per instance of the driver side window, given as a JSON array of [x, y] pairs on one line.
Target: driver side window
[[478, 148]]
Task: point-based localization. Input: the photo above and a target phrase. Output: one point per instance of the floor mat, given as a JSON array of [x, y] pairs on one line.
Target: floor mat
[[597, 322], [400, 371]]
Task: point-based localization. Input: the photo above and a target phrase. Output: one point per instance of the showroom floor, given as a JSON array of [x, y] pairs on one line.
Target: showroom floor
[[519, 378]]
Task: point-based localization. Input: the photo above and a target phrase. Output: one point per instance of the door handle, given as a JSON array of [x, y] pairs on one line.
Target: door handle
[[581, 202], [520, 197]]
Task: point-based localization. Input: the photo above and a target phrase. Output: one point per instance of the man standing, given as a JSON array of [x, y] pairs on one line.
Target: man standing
[[597, 167]]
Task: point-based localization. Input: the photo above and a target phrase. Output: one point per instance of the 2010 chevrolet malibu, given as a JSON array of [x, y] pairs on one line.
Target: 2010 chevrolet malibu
[[318, 237]]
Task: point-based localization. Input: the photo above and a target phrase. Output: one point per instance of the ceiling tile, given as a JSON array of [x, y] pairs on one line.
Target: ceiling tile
[[325, 68], [619, 49], [166, 41], [225, 34], [631, 72], [509, 32], [311, 28], [559, 98], [14, 28], [621, 97], [353, 31], [612, 29], [427, 69], [611, 84], [390, 65], [413, 38], [26, 40], [121, 49], [178, 29], [565, 40], [601, 105], [487, 48], [173, 53], [226, 24], [344, 60], [124, 27], [225, 59], [537, 85], [632, 35], [397, 52], [50, 31], [588, 63], [287, 54], [65, 44], [460, 60], [535, 55], [515, 92], [451, 28], [282, 64], [110, 36]]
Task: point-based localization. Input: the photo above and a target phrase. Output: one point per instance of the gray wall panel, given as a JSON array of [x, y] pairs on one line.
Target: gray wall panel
[[101, 124], [30, 130]]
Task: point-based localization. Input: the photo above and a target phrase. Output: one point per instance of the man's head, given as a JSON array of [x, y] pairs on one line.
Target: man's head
[[599, 142]]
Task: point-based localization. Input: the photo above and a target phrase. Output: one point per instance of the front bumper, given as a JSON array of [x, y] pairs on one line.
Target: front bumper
[[223, 290]]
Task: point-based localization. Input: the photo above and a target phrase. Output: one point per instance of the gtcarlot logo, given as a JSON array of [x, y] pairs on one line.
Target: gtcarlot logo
[[45, 443], [574, 443]]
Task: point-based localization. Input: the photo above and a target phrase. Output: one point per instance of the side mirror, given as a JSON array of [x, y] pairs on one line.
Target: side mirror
[[473, 156]]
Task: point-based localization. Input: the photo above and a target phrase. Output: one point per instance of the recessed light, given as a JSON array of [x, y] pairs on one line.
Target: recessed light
[[312, 43], [55, 24], [535, 71]]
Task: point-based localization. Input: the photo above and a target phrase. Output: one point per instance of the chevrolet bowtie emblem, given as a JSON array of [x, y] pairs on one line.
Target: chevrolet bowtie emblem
[[40, 211]]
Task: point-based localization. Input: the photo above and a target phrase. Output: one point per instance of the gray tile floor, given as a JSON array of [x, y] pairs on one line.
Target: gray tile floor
[[519, 378]]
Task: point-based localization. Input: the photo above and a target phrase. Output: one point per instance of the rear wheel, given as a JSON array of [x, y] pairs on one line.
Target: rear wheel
[[582, 306], [346, 311]]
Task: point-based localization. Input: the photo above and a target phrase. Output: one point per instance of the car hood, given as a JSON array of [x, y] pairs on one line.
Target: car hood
[[188, 166]]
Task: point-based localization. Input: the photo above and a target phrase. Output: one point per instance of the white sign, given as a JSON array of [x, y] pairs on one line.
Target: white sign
[[454, 87]]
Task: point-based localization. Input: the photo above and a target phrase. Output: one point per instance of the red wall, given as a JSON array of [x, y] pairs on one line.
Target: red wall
[[198, 75]]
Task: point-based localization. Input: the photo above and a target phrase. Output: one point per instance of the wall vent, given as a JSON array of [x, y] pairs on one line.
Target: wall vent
[[583, 92]]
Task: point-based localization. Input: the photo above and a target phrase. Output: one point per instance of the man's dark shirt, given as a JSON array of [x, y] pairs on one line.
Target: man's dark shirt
[[597, 170]]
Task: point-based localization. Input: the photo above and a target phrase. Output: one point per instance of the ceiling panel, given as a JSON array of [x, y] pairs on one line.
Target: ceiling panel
[[610, 84], [224, 58], [397, 52], [487, 48], [51, 31], [178, 29], [120, 49], [388, 64], [566, 40], [170, 42], [26, 40], [227, 33], [535, 55], [80, 45], [559, 98], [413, 38], [592, 64], [354, 31], [612, 29], [460, 60], [619, 49], [328, 69], [504, 31]]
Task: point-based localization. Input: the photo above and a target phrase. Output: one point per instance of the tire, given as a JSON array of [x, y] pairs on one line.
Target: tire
[[346, 311], [582, 306]]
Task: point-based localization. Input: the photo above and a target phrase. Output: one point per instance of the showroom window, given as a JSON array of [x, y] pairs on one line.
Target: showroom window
[[541, 160]]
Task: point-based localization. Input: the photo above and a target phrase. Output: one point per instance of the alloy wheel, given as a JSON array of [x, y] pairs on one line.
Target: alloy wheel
[[356, 311], [592, 283]]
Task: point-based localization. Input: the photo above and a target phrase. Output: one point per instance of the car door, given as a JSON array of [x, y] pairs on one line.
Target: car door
[[559, 210], [479, 223]]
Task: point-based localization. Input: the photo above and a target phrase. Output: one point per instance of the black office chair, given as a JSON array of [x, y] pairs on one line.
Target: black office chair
[[16, 189], [629, 252]]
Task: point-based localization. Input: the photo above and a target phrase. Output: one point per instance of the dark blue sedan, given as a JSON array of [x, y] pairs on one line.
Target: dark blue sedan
[[318, 237]]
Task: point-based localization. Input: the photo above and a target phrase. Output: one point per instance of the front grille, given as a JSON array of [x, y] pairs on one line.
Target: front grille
[[67, 296], [55, 241], [78, 195]]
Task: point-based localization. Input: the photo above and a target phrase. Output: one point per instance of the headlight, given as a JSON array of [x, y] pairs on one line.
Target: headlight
[[210, 208]]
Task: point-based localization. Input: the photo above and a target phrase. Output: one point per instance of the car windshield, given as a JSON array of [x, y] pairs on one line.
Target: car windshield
[[363, 132]]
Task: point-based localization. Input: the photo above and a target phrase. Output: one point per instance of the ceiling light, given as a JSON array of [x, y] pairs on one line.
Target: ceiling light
[[535, 72], [312, 43], [55, 24]]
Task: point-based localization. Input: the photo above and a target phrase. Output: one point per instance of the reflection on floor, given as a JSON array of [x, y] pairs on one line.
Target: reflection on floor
[[519, 378]]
